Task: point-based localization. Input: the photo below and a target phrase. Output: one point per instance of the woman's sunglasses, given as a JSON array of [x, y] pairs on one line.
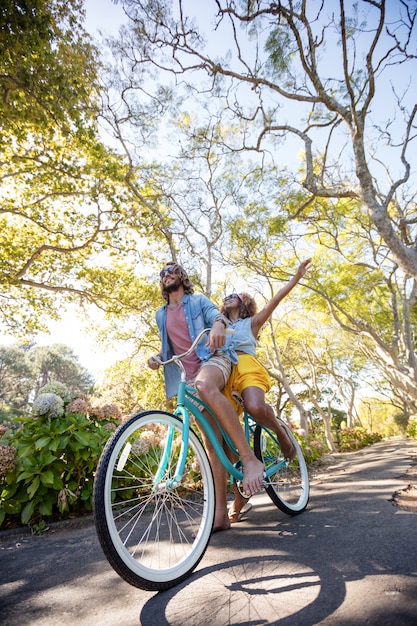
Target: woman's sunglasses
[[233, 296]]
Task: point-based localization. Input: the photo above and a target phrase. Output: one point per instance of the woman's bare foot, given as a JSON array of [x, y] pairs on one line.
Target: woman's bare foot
[[253, 474]]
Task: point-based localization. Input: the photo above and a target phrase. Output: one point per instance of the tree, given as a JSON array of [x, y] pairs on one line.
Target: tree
[[58, 362], [24, 369], [16, 378], [269, 61], [67, 231]]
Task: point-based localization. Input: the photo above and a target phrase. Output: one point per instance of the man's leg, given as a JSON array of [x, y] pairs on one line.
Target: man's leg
[[221, 519], [209, 383]]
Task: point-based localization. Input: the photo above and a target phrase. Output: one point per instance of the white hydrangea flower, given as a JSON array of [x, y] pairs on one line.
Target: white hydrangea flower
[[56, 387], [48, 404]]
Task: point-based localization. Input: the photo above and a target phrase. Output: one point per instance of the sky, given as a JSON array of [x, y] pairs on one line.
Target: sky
[[103, 15]]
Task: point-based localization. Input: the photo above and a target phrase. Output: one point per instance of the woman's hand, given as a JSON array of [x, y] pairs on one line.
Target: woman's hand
[[217, 336], [303, 268]]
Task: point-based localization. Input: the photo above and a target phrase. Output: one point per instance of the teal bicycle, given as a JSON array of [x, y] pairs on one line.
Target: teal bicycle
[[154, 494]]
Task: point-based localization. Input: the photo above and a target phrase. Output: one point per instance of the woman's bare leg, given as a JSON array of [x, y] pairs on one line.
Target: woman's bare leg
[[209, 383], [263, 414], [254, 401]]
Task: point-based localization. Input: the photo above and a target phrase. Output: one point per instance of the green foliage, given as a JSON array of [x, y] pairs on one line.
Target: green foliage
[[47, 466], [280, 51], [16, 380], [48, 65], [412, 427], [63, 192]]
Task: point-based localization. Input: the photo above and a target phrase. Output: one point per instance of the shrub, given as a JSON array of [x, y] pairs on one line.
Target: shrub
[[58, 388], [49, 463], [7, 459], [411, 430], [356, 438], [312, 448]]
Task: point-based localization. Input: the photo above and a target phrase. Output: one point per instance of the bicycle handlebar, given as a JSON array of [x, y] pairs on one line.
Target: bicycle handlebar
[[177, 357]]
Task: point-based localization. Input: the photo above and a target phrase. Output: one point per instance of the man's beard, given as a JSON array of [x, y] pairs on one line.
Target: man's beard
[[173, 287]]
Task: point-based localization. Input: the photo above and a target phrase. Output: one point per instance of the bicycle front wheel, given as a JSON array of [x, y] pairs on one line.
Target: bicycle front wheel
[[152, 530], [288, 486]]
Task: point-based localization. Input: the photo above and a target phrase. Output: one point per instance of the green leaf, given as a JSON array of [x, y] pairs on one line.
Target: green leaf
[[45, 508], [83, 438], [11, 508], [28, 511], [24, 475], [42, 442], [47, 477], [9, 491], [48, 458], [58, 483], [33, 487], [54, 445]]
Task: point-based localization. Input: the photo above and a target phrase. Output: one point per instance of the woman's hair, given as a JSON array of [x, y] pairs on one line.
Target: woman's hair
[[178, 271], [247, 306]]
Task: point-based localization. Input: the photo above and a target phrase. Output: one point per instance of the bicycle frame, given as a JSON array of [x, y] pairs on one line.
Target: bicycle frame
[[185, 405]]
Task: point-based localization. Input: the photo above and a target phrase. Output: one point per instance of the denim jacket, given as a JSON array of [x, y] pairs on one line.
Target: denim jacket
[[199, 313]]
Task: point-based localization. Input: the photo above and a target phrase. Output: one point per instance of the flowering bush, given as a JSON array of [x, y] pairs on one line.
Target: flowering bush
[[356, 438], [111, 411], [148, 439], [48, 404], [311, 447], [96, 412], [80, 404], [47, 466], [54, 469]]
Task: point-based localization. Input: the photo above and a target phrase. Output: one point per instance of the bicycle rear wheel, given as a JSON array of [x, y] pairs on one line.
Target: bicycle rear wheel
[[153, 535], [288, 487]]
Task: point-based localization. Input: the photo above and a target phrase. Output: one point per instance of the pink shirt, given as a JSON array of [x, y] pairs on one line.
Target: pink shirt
[[179, 337]]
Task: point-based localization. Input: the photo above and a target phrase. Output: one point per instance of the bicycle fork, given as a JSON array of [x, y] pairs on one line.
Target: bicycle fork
[[172, 483]]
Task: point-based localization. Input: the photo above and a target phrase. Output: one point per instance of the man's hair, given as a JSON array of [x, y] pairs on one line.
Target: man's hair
[[247, 306], [185, 281]]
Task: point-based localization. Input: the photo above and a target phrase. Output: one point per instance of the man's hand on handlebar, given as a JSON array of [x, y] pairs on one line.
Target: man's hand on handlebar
[[153, 362]]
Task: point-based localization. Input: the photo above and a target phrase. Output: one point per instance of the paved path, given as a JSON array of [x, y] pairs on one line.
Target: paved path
[[349, 560]]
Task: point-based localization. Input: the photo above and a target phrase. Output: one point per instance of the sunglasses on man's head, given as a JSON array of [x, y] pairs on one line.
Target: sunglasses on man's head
[[166, 270], [232, 296]]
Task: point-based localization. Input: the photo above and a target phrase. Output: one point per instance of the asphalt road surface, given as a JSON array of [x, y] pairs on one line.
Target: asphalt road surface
[[349, 560]]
